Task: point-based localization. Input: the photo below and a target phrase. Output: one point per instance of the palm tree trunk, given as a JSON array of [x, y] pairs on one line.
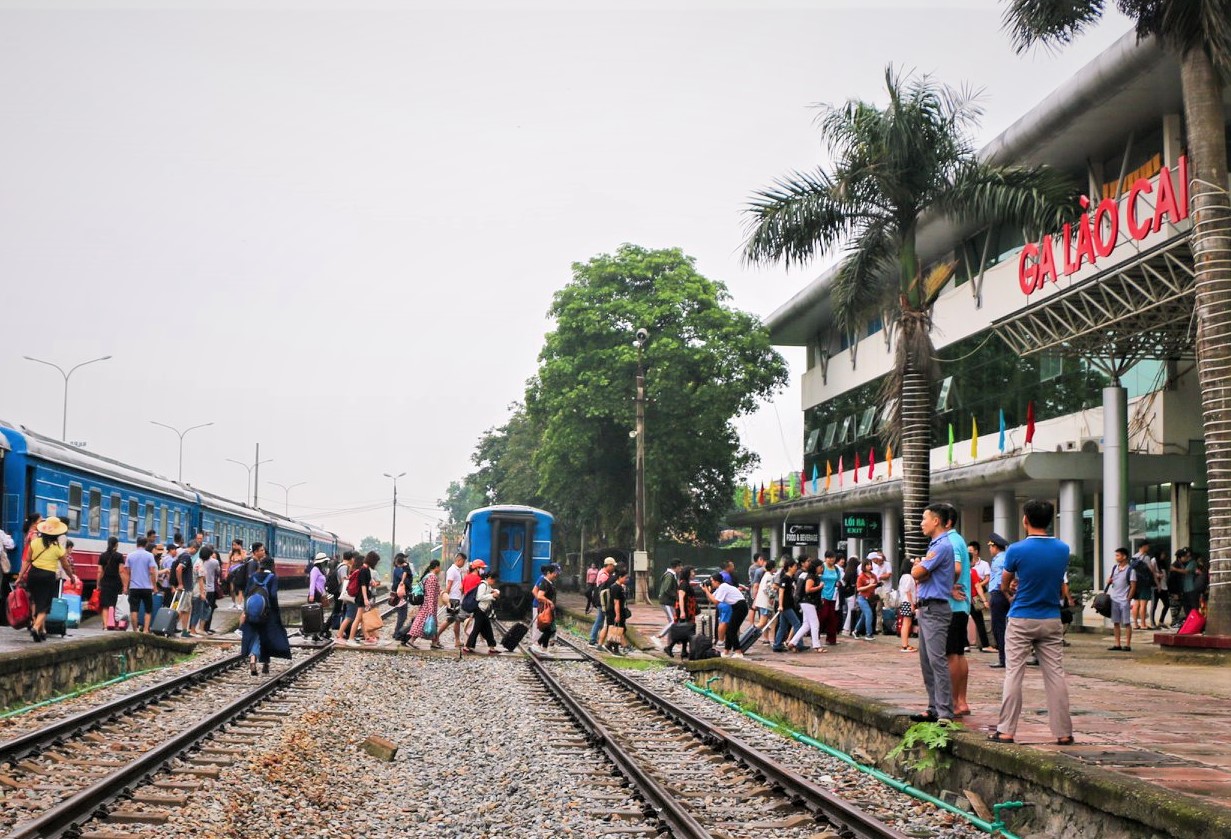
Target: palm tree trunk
[[1211, 245], [916, 425]]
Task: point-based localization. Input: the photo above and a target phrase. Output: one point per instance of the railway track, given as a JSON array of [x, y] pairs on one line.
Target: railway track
[[698, 781], [57, 778]]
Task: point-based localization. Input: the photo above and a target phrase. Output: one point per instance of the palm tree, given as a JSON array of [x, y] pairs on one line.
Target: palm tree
[[893, 166], [1199, 33]]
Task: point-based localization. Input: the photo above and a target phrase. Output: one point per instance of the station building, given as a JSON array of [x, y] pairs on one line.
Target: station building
[[1082, 341]]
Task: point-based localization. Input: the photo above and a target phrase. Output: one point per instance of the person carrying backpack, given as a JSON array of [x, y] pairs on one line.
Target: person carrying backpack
[[600, 582], [261, 621], [668, 589]]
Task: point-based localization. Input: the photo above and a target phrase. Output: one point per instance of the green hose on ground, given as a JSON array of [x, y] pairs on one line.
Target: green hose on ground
[[995, 828]]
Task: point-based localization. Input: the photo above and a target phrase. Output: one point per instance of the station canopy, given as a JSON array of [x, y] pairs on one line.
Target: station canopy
[[1140, 309]]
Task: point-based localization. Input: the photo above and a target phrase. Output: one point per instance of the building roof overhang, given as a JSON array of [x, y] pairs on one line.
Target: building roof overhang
[[1028, 474]]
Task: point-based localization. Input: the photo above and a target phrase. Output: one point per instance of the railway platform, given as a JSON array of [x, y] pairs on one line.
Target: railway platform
[[1149, 715]]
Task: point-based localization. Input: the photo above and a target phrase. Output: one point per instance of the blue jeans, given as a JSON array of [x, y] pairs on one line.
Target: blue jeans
[[598, 626], [788, 624], [865, 616]]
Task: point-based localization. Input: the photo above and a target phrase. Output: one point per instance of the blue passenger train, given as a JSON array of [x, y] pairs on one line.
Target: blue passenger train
[[98, 497], [515, 542]]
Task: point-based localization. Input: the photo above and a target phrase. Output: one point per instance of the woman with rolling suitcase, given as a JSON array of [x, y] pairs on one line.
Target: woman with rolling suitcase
[[47, 556]]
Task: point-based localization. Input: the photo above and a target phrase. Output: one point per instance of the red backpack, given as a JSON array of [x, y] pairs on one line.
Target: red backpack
[[352, 583]]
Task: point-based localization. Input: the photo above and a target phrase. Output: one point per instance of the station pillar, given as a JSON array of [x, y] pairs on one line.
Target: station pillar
[[1068, 517], [1115, 475], [890, 536], [756, 539], [775, 541], [826, 540], [1181, 516], [1005, 516]]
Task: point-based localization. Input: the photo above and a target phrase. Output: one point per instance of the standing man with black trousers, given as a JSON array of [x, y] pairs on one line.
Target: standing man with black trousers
[[996, 546]]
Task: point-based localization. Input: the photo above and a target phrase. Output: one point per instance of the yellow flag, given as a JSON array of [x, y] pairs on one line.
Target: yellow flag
[[974, 439], [889, 458], [828, 474]]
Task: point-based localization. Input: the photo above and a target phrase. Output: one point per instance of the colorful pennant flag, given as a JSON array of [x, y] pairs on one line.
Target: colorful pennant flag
[[950, 444], [794, 484], [761, 496], [814, 477], [828, 474], [974, 439], [889, 458], [855, 472], [871, 461], [840, 471], [1002, 430], [1030, 423]]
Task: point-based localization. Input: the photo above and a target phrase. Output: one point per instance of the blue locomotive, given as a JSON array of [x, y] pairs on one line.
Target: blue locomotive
[[99, 497], [515, 542]]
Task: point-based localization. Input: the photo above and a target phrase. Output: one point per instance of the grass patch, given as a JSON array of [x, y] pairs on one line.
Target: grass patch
[[634, 663]]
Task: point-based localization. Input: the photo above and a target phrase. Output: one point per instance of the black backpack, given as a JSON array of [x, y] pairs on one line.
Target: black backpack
[[701, 648], [1142, 573], [333, 586]]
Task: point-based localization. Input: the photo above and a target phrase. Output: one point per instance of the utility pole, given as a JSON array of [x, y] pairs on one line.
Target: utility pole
[[393, 540], [256, 480], [248, 494], [286, 490], [640, 556], [181, 436], [64, 420]]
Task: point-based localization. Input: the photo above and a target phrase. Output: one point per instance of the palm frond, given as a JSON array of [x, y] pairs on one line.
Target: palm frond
[[1185, 25], [795, 217], [1038, 198], [866, 281], [934, 281], [1052, 23]]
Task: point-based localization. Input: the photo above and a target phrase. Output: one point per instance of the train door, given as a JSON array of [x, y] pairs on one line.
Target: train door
[[510, 548]]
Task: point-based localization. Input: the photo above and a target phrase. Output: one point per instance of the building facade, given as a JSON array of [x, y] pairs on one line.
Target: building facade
[[1067, 363]]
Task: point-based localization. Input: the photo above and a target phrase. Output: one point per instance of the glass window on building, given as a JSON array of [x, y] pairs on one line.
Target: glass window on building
[[1149, 516], [74, 508], [1050, 366]]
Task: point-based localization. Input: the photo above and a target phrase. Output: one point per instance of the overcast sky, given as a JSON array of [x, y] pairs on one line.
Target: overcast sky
[[335, 228]]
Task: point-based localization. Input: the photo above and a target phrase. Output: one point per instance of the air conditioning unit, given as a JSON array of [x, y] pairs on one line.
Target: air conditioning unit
[[1092, 445]]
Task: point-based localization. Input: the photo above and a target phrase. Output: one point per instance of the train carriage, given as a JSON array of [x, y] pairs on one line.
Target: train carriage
[[290, 546], [224, 521], [515, 542], [95, 496]]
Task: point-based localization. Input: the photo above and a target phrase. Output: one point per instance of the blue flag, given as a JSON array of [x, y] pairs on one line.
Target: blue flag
[[1002, 430], [815, 475]]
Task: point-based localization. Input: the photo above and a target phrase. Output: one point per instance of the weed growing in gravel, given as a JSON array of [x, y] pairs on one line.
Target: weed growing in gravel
[[926, 742], [635, 663]]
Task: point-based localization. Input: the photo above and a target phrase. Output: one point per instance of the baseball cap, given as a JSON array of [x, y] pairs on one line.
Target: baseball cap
[[609, 561], [478, 563], [874, 555]]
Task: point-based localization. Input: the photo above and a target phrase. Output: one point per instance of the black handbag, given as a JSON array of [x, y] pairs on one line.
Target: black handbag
[[1102, 604]]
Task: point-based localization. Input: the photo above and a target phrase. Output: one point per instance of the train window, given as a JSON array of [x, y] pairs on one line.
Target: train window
[[74, 507], [149, 516], [162, 522], [113, 516], [176, 523], [96, 511], [132, 520]]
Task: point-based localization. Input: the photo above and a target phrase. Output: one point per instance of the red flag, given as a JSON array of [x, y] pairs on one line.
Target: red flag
[[855, 474], [871, 461], [1029, 422], [761, 496]]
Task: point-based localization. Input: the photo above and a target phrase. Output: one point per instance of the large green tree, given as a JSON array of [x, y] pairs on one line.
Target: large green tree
[[706, 363], [1198, 32], [893, 164]]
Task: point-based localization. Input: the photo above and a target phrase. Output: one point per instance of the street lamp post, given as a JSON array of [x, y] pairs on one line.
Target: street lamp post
[[287, 494], [181, 436], [393, 542], [248, 496], [640, 556], [64, 423]]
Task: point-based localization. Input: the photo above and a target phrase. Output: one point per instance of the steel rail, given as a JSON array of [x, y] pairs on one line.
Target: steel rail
[[84, 804], [35, 741], [860, 823], [680, 822]]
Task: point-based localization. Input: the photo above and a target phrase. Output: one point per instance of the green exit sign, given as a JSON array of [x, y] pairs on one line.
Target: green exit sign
[[861, 525]]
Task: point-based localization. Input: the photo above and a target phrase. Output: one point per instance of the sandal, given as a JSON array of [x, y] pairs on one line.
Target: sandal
[[1066, 741], [997, 737]]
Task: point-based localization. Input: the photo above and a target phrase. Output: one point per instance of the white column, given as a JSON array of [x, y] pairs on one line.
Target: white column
[[1181, 510], [1005, 518], [1115, 475], [1068, 518], [826, 543], [756, 539], [775, 540], [889, 534]]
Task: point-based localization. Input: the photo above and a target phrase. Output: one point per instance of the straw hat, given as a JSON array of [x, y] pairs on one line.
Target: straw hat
[[52, 526]]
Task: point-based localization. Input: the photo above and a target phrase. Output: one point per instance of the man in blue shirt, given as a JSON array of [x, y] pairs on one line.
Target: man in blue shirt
[[1034, 570], [959, 621], [934, 586], [996, 546]]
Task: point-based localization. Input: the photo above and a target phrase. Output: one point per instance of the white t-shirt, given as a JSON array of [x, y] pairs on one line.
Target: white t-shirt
[[453, 583], [984, 569], [761, 601], [880, 569], [727, 593], [906, 588]]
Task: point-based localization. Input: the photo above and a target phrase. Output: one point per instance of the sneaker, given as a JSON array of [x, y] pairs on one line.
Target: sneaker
[[657, 642], [737, 654], [723, 654]]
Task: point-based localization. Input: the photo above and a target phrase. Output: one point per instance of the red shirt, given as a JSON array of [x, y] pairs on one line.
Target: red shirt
[[470, 582]]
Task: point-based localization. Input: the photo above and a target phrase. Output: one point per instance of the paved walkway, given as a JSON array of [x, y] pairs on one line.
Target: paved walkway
[[1159, 716]]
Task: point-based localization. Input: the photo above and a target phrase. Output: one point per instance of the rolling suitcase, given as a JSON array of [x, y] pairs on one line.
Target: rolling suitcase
[[311, 619], [57, 618], [513, 637], [165, 622], [748, 638]]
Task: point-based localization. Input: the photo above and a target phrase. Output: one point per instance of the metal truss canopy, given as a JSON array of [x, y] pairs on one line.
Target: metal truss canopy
[[1140, 309]]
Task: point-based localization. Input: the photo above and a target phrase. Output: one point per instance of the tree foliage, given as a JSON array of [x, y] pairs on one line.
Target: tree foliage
[[569, 447]]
